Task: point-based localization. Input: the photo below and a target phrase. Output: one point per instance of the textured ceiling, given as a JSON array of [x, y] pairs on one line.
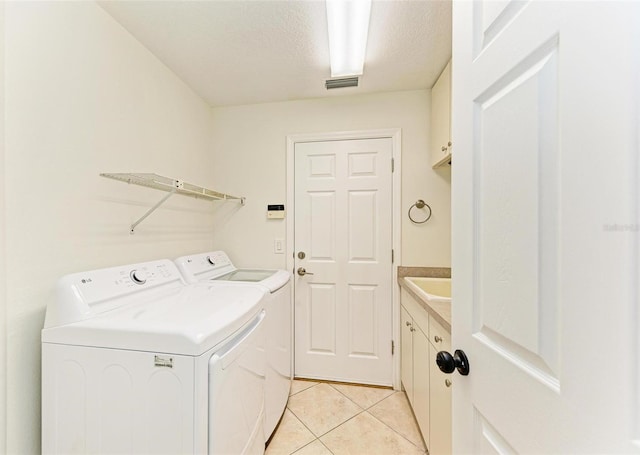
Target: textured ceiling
[[244, 52]]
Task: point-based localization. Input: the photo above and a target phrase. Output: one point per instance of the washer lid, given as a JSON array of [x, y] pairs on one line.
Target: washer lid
[[188, 321]]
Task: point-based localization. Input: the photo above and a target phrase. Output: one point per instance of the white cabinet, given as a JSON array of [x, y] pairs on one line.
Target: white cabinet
[[440, 143], [428, 389], [406, 356], [440, 408], [439, 392], [415, 363], [421, 376]]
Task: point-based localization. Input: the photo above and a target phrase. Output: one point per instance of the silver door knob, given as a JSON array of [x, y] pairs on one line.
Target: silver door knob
[[302, 272]]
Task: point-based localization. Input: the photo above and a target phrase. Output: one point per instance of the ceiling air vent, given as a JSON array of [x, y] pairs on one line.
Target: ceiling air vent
[[342, 82]]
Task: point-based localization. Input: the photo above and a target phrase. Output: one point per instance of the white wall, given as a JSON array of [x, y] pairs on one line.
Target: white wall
[[3, 303], [249, 144], [84, 97]]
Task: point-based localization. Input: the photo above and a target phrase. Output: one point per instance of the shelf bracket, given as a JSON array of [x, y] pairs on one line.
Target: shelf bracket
[[151, 210]]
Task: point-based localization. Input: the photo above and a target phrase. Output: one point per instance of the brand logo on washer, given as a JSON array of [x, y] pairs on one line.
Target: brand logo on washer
[[160, 361]]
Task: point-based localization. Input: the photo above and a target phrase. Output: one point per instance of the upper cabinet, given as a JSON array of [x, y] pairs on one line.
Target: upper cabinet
[[440, 144]]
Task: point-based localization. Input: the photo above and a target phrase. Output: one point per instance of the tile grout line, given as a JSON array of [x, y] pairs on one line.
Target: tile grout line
[[341, 423], [386, 425], [331, 429], [400, 434], [303, 390], [423, 449], [392, 392], [303, 424], [362, 410], [330, 385], [316, 439]]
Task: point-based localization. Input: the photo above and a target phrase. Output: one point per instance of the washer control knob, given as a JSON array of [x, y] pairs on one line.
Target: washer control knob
[[210, 260], [138, 276]]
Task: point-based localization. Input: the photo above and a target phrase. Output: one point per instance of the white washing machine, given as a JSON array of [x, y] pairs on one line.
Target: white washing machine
[[134, 361], [215, 268]]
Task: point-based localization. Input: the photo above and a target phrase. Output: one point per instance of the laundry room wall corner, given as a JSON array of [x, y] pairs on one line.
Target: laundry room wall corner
[[84, 97], [3, 296]]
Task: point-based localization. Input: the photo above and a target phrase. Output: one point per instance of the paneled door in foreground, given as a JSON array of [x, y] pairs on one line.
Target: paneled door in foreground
[[343, 241], [545, 226]]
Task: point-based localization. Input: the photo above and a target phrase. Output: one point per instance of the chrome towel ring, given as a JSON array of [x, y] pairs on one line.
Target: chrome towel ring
[[419, 204]]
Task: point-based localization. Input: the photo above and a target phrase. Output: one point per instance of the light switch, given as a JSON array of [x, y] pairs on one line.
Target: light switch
[[278, 246]]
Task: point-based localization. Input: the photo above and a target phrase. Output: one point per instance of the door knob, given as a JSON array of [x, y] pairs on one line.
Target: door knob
[[302, 272], [447, 362]]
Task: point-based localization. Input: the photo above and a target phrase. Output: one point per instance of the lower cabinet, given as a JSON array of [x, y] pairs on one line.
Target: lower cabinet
[[440, 407], [406, 353], [428, 389], [421, 377]]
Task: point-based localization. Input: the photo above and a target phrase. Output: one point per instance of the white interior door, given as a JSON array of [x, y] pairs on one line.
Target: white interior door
[[545, 226], [343, 227]]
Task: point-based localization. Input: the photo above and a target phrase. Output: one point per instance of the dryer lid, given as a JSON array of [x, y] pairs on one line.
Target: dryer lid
[[188, 321], [271, 279], [216, 266]]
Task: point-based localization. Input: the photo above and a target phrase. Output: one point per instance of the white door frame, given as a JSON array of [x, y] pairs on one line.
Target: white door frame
[[396, 135]]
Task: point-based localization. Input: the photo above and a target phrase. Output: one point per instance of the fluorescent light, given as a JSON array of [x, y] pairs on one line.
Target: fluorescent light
[[348, 29]]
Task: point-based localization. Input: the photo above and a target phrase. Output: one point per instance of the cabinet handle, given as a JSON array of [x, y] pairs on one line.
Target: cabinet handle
[[447, 382], [449, 143], [444, 149], [412, 329], [408, 323], [437, 339]]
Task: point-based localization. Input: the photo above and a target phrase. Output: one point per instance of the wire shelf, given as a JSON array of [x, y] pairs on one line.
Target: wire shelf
[[171, 186], [177, 186]]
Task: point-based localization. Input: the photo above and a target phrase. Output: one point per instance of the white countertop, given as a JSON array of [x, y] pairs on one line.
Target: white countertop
[[441, 311]]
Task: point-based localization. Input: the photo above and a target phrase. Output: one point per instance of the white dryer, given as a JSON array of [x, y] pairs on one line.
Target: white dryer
[[215, 268], [134, 361]]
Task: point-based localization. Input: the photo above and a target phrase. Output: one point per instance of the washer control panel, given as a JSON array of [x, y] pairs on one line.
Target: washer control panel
[[86, 294], [99, 285], [138, 276]]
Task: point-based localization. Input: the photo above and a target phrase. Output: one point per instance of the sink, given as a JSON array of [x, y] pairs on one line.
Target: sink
[[432, 289]]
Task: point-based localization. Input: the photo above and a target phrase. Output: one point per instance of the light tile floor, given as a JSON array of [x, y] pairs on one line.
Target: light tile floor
[[326, 418]]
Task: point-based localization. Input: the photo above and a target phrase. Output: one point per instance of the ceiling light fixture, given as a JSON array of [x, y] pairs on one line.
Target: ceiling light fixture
[[348, 29]]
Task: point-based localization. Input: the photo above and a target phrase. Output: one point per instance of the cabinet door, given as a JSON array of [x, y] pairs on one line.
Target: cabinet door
[[440, 412], [441, 117], [406, 354], [421, 395]]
